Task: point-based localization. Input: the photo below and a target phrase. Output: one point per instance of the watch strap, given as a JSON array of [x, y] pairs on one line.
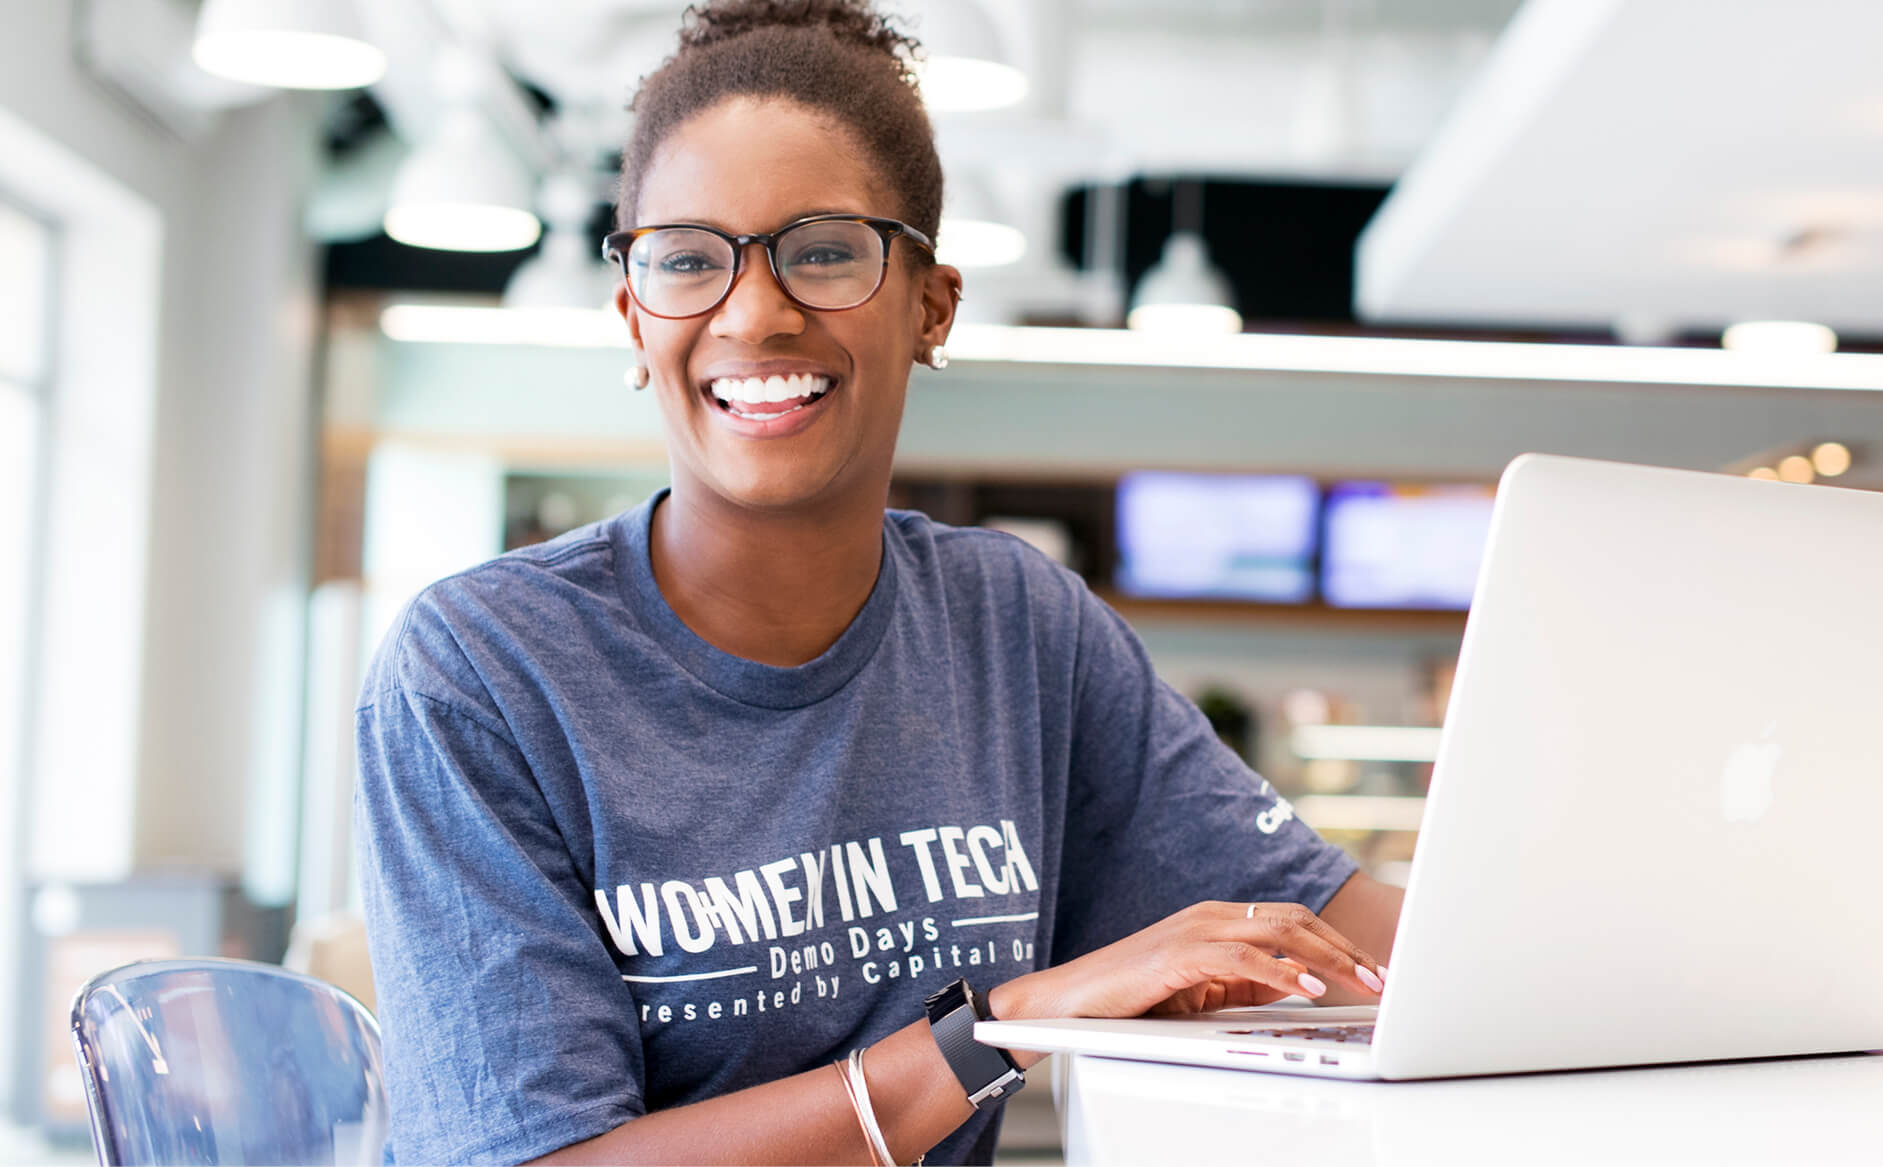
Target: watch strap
[[986, 1072]]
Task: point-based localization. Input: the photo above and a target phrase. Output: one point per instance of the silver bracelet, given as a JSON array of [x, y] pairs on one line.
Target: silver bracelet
[[853, 1070], [850, 1096]]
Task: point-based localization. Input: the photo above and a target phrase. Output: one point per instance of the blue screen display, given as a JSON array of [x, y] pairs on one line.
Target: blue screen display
[[1220, 536], [1396, 546]]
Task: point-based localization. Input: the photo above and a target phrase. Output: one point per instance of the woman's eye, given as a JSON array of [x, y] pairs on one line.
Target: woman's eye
[[824, 255], [686, 264]]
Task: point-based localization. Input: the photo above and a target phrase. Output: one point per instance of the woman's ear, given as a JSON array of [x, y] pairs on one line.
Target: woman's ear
[[941, 292]]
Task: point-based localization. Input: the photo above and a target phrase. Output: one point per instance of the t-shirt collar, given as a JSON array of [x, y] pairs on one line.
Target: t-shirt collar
[[750, 682]]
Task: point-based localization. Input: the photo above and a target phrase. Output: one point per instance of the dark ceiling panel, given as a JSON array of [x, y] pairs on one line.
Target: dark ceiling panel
[[1287, 248]]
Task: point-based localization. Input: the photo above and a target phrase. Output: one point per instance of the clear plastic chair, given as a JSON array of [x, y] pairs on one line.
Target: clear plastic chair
[[228, 1061]]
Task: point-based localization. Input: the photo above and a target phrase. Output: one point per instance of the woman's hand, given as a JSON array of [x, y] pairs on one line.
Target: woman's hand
[[1208, 956]]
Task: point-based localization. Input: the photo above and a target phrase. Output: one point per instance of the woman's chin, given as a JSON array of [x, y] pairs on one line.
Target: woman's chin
[[780, 490]]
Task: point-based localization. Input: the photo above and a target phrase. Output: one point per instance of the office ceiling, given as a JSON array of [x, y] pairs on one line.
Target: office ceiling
[[1665, 166], [1256, 87], [1661, 167], [1290, 91]]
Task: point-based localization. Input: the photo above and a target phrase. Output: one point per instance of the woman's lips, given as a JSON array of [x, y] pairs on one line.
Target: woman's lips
[[775, 416], [770, 409], [763, 397]]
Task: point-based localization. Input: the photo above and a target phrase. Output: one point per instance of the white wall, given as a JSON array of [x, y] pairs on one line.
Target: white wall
[[229, 477]]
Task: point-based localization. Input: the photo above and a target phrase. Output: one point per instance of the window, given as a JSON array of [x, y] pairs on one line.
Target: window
[[26, 311], [26, 253]]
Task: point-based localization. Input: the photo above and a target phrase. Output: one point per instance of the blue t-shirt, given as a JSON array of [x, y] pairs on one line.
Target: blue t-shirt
[[609, 868]]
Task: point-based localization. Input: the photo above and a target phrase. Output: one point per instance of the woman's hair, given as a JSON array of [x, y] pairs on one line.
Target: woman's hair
[[838, 57]]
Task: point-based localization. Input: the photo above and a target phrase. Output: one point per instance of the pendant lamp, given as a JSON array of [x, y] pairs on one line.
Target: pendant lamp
[[973, 232], [1184, 292], [464, 189], [964, 66], [286, 44], [567, 272]]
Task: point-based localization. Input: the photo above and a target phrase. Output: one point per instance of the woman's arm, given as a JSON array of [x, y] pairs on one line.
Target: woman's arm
[[805, 1118], [1212, 955], [1366, 911]]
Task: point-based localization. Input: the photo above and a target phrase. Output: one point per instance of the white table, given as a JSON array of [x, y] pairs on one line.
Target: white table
[[1807, 1110]]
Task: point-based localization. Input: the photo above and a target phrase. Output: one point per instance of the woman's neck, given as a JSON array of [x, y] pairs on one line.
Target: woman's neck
[[777, 589]]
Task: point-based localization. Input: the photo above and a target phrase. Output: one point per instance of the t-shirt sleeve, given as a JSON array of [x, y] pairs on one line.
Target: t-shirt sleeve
[[1160, 813], [507, 1029]]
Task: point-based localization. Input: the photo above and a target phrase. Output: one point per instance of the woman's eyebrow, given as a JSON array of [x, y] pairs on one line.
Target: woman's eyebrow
[[794, 217], [813, 214]]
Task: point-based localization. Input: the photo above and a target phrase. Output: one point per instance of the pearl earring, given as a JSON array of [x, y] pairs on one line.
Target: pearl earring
[[938, 357], [637, 375]]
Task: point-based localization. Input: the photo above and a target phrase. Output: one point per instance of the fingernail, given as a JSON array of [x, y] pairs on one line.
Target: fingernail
[[1369, 978], [1312, 985]]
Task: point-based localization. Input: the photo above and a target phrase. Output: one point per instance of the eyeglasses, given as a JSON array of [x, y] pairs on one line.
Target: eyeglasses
[[827, 262]]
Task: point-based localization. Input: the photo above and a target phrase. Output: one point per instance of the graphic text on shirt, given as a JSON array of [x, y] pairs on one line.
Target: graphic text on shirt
[[788, 902], [786, 898]]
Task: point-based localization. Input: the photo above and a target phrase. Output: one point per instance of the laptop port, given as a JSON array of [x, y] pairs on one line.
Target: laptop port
[[1295, 1057], [1327, 1061]]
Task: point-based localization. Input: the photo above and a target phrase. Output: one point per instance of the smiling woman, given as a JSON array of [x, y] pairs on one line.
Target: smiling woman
[[704, 833], [731, 465]]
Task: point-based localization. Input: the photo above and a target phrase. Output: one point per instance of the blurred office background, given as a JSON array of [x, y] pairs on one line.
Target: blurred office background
[[1262, 296]]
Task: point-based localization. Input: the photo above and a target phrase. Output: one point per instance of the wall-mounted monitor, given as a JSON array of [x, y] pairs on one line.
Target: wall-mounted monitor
[[1386, 545], [1217, 536]]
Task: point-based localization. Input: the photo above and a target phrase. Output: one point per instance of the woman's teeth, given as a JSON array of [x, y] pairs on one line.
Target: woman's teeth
[[732, 392]]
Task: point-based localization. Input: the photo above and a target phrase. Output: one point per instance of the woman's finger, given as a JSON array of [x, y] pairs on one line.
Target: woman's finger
[[1249, 962], [1294, 931]]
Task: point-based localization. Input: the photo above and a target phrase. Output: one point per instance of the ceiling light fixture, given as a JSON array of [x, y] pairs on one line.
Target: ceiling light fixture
[[1779, 338], [286, 44], [567, 272], [973, 232], [1183, 292], [465, 189], [964, 67]]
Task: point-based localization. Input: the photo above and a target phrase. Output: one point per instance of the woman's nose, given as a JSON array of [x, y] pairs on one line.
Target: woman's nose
[[756, 308]]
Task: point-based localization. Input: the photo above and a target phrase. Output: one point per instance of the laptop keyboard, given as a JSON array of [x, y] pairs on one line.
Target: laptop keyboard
[[1350, 1034]]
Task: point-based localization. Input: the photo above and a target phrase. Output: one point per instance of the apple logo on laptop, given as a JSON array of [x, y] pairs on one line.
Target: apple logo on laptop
[[1746, 783]]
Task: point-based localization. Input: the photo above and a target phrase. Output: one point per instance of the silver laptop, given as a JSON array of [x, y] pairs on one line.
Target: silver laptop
[[1656, 817]]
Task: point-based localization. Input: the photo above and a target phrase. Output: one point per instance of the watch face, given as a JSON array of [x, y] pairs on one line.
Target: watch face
[[951, 994]]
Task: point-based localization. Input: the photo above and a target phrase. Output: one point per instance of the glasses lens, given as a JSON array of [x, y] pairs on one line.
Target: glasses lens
[[833, 264], [678, 271]]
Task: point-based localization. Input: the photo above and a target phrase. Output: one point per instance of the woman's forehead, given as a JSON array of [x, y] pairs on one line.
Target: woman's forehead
[[753, 165]]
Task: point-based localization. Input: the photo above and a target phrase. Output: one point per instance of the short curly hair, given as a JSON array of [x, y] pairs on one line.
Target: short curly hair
[[839, 57]]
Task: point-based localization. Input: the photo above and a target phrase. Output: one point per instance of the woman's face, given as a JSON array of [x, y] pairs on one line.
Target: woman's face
[[750, 167]]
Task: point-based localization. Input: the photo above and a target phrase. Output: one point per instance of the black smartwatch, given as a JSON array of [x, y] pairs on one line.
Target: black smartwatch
[[988, 1074]]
